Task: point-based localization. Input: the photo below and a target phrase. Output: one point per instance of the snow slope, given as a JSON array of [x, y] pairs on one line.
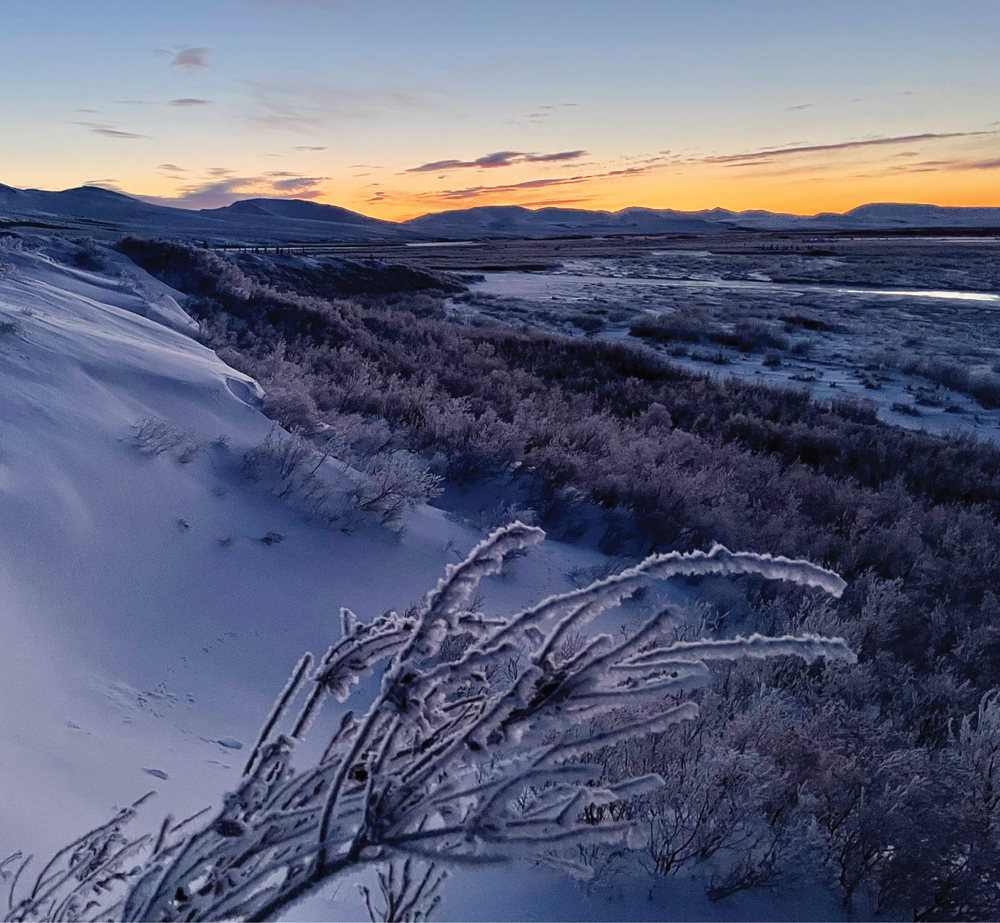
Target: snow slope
[[138, 652], [145, 627]]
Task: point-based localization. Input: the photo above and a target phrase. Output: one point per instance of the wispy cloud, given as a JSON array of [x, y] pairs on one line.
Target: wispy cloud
[[540, 114], [191, 58], [220, 186], [983, 165], [840, 146], [800, 107], [189, 101], [497, 159], [109, 131], [297, 184], [311, 147], [171, 167], [474, 192]]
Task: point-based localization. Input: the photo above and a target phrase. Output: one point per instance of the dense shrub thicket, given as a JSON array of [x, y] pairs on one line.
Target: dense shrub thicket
[[868, 775]]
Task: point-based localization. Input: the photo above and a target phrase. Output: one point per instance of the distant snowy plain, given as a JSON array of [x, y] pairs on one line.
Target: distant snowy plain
[[907, 301]]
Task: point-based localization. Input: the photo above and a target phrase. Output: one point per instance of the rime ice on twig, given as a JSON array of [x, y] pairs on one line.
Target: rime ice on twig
[[474, 750]]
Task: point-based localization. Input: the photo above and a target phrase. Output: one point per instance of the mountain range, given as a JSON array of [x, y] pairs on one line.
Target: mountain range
[[104, 213]]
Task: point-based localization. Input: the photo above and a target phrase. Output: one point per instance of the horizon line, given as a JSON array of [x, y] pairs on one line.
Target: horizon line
[[161, 202]]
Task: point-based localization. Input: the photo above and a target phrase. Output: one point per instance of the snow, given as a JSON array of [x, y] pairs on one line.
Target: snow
[[925, 321], [146, 627]]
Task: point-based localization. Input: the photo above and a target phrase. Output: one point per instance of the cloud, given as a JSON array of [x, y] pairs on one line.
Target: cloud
[[189, 101], [219, 187], [191, 58], [982, 165], [800, 107], [171, 168], [544, 112], [102, 128], [841, 146], [473, 192], [497, 159], [298, 185], [310, 147]]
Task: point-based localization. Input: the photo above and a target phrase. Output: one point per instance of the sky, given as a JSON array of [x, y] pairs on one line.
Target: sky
[[396, 108]]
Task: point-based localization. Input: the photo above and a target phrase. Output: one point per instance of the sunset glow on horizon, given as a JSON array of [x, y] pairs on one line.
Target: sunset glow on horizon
[[395, 109]]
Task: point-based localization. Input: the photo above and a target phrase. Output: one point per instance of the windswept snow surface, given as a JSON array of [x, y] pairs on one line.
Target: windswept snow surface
[[144, 626]]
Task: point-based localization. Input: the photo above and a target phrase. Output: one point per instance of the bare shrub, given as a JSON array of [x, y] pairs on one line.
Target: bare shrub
[[385, 485], [690, 327], [947, 373], [389, 485], [410, 891], [985, 388], [286, 464], [156, 436], [90, 255], [480, 760], [490, 518], [10, 327], [8, 245]]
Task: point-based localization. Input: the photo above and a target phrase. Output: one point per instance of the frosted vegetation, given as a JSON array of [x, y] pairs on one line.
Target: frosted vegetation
[[873, 781], [482, 744], [612, 446], [909, 324]]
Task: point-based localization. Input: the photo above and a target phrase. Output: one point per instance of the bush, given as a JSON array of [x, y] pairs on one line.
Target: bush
[[481, 754]]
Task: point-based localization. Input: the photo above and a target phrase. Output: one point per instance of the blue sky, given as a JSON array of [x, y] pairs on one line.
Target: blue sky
[[581, 102]]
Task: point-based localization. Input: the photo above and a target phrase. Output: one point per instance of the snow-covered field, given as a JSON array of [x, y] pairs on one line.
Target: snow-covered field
[[145, 625], [850, 317]]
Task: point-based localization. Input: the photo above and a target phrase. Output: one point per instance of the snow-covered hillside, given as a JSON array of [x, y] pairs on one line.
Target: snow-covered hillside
[[145, 627]]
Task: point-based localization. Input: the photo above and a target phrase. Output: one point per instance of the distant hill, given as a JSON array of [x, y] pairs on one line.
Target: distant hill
[[299, 210], [102, 212], [515, 221]]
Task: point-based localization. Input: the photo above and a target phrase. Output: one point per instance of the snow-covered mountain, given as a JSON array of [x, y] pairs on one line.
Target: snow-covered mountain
[[516, 221], [103, 213], [91, 210]]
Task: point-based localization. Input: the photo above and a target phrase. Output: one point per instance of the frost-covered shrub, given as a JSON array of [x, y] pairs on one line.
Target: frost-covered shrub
[[482, 758], [383, 486], [156, 436], [354, 439], [10, 326], [489, 518], [90, 255], [8, 245], [286, 464], [985, 388], [689, 327], [390, 484]]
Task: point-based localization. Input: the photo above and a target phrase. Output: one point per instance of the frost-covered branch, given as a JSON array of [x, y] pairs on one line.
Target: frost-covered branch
[[478, 746]]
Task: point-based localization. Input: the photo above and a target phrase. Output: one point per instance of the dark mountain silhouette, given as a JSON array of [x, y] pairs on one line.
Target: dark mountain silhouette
[[104, 212]]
